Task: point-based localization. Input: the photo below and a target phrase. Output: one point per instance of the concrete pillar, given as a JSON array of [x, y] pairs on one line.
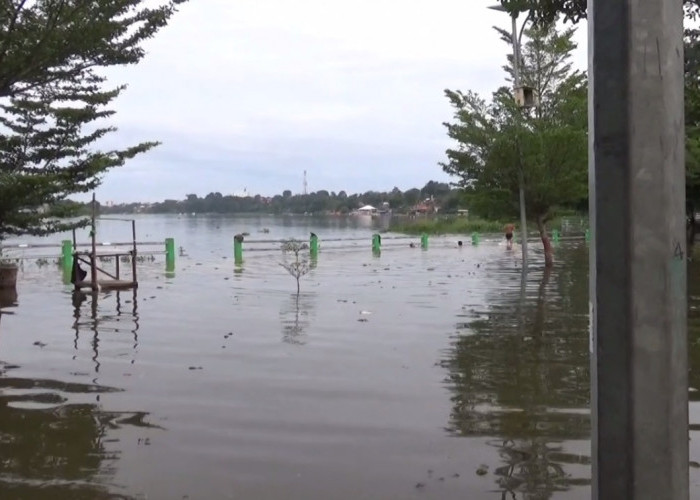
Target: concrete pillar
[[639, 399]]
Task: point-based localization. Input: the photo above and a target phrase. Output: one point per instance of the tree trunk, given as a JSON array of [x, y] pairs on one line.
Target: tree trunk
[[690, 232], [546, 244], [690, 226]]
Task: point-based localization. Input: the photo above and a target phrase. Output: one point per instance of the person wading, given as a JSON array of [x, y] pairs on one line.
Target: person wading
[[510, 228]]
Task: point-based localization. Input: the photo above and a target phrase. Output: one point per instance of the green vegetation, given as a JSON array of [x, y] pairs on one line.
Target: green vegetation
[[298, 267], [545, 11], [446, 225], [565, 221], [497, 140], [54, 102]]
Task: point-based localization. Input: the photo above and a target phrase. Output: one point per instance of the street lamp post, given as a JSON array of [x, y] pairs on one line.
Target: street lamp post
[[516, 83]]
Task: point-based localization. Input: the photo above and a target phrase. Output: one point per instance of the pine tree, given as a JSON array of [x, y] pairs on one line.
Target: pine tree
[[54, 101]]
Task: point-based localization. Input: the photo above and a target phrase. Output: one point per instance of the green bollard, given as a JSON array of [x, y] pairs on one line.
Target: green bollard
[[313, 245], [555, 235], [424, 241], [67, 260], [376, 243], [67, 254], [587, 235], [238, 248], [475, 238], [169, 255]]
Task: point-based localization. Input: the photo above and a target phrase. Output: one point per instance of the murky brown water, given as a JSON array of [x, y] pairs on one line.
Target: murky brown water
[[413, 375]]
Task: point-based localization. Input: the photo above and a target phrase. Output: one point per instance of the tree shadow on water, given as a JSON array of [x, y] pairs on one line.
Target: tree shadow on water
[[520, 377], [53, 449]]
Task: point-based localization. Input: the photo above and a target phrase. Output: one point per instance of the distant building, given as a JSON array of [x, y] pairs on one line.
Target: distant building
[[367, 210], [427, 206]]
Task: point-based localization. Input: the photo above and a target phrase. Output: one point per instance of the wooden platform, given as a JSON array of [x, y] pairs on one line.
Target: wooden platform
[[108, 284]]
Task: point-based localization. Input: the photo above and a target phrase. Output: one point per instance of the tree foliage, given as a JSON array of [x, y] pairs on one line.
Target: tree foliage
[[547, 11], [54, 100], [495, 139]]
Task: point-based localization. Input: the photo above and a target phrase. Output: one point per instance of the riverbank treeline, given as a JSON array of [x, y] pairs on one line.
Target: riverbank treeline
[[434, 196]]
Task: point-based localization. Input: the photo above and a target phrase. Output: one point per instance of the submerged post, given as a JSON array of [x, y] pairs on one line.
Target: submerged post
[[67, 255], [133, 254], [93, 247], [424, 241], [169, 255], [238, 248], [313, 245], [639, 370], [376, 243]]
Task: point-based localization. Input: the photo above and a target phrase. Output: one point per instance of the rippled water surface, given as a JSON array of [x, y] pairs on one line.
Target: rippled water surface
[[414, 374]]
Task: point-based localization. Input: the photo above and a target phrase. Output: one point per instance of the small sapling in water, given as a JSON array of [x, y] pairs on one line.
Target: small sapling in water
[[299, 267]]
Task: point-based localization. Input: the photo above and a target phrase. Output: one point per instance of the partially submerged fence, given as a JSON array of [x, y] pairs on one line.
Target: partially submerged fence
[[65, 250], [376, 243]]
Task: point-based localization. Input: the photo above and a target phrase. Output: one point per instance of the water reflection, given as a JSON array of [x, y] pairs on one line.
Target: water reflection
[[694, 331], [294, 316], [108, 321], [519, 373], [8, 297], [52, 449]]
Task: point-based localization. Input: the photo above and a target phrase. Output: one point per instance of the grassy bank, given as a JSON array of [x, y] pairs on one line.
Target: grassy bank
[[466, 225], [446, 225]]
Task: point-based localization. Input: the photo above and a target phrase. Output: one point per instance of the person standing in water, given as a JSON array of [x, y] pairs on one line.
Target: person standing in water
[[510, 228]]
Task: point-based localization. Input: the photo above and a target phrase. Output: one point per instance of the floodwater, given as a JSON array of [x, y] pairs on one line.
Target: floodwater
[[433, 374]]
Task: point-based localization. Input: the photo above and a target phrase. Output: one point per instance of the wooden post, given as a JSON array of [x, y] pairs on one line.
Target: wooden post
[[93, 255], [133, 254]]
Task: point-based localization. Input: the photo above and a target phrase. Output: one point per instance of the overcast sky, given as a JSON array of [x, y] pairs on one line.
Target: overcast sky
[[248, 94]]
